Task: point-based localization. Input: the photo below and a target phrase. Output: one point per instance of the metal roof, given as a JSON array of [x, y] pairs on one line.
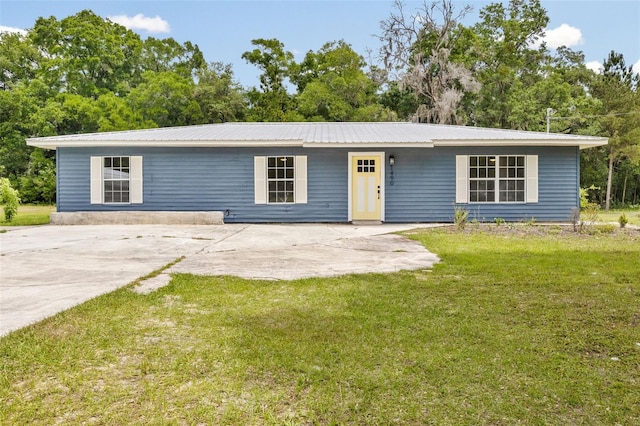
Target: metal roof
[[319, 135]]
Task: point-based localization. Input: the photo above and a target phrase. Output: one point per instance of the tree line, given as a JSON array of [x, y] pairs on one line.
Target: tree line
[[86, 74]]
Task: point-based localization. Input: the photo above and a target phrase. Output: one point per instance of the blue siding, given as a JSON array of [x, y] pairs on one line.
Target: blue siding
[[220, 179]]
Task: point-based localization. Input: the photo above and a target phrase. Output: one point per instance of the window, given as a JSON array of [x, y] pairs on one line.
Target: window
[[497, 179], [116, 180], [366, 166], [511, 182], [115, 177], [280, 179], [482, 174]]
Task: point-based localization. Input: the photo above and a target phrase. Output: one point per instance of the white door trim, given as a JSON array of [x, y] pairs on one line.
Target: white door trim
[[381, 156]]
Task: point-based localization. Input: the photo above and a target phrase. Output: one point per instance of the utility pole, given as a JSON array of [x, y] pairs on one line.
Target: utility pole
[[550, 112]]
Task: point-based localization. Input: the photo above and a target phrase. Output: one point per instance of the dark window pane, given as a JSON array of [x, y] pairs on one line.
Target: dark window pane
[[482, 161], [491, 197], [473, 161], [125, 162], [503, 161], [125, 197], [289, 173], [521, 173], [520, 161], [491, 173]]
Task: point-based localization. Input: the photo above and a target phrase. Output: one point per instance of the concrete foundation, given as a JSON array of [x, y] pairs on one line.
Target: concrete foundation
[[137, 218]]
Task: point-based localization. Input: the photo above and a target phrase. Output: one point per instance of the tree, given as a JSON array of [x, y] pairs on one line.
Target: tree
[[161, 55], [616, 88], [333, 86], [10, 198], [510, 57], [420, 48], [272, 102], [86, 55], [220, 97], [19, 59], [38, 184], [166, 98]]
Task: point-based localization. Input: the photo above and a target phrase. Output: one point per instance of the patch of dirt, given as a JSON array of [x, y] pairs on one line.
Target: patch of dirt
[[524, 230]]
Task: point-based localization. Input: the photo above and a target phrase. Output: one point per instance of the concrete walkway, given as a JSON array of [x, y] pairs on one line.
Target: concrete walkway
[[47, 269]]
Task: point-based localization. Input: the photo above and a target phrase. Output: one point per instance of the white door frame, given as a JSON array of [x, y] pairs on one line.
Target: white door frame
[[379, 154]]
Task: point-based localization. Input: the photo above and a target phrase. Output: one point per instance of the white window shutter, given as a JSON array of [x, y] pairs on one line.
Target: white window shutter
[[462, 180], [301, 179], [96, 180], [135, 176], [260, 179], [532, 179]]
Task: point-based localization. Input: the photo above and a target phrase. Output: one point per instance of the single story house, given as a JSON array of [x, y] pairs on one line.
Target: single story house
[[322, 172]]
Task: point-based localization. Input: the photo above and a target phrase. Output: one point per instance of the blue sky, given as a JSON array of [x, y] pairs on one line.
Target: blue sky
[[224, 29]]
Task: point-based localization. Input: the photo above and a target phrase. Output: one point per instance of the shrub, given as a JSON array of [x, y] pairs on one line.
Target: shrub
[[622, 220], [460, 216], [589, 216], [499, 221], [607, 228], [9, 196]]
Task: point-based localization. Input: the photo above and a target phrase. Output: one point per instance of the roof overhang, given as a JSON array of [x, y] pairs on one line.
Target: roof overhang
[[368, 145], [52, 144], [582, 143]]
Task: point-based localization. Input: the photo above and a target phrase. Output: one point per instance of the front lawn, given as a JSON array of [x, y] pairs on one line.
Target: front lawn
[[633, 216], [29, 215], [512, 327]]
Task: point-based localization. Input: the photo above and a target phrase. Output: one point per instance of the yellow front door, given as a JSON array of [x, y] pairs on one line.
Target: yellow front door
[[365, 187]]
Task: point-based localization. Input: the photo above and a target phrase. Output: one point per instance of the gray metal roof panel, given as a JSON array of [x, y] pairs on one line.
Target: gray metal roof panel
[[315, 134]]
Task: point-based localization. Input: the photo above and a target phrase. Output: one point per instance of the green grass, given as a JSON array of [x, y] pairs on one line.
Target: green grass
[[28, 215], [512, 327], [633, 216]]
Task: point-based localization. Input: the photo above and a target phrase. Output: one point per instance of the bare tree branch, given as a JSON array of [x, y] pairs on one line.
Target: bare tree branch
[[416, 50]]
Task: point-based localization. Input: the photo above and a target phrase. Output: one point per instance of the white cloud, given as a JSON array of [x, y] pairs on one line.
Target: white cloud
[[4, 29], [636, 67], [564, 35], [595, 66], [141, 22]]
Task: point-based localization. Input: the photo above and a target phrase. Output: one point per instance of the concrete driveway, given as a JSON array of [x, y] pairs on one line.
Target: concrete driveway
[[47, 269]]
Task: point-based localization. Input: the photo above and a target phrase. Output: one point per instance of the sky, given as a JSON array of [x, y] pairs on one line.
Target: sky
[[223, 30]]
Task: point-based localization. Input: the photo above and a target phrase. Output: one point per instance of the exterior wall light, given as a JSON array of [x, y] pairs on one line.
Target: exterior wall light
[[392, 160]]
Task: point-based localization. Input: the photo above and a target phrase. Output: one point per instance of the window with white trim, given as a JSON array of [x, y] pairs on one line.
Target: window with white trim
[[497, 179], [280, 179], [116, 180]]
